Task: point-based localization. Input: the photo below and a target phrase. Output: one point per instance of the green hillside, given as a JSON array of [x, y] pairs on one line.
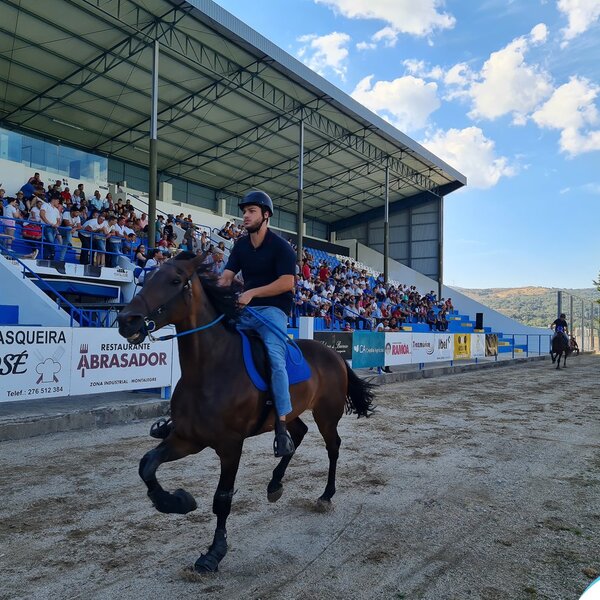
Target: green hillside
[[534, 306]]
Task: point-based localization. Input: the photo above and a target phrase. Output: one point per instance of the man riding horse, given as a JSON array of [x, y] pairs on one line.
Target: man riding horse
[[561, 327], [268, 266]]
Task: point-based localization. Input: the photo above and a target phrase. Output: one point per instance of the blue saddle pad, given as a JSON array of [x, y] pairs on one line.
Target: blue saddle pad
[[296, 372]]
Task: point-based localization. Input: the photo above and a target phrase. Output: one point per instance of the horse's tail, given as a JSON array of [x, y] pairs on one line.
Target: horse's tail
[[360, 395]]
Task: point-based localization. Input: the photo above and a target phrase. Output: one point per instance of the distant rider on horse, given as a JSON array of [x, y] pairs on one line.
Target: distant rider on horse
[[268, 266], [561, 327]]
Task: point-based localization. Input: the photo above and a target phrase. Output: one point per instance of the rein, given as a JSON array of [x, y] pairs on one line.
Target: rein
[[150, 325]]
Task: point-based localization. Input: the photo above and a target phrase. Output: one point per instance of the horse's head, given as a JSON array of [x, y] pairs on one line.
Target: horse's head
[[164, 299]]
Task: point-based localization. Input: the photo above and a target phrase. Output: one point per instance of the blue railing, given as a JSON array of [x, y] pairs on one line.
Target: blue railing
[[55, 243]]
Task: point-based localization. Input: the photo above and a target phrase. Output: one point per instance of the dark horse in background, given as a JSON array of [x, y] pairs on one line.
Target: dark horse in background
[[215, 405], [560, 347]]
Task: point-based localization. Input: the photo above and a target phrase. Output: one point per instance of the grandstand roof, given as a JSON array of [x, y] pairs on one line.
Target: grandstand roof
[[229, 104]]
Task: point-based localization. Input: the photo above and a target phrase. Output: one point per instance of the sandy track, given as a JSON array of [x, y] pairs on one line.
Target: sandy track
[[479, 485]]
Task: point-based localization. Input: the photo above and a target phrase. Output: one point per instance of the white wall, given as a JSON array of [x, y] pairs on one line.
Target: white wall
[[13, 176], [35, 308], [397, 271]]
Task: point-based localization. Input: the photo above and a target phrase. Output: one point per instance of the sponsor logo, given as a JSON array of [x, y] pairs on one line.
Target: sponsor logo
[[397, 349], [444, 343], [362, 349], [427, 346]]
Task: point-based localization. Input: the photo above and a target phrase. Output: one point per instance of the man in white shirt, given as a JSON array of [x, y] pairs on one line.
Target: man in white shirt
[[34, 213], [113, 242], [94, 233], [51, 219], [156, 259], [71, 223]]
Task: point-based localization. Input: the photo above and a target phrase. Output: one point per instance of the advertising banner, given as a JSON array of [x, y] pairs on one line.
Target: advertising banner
[[398, 349], [478, 345], [368, 349], [340, 341], [103, 361], [423, 347], [491, 344], [462, 345], [444, 346], [34, 362]]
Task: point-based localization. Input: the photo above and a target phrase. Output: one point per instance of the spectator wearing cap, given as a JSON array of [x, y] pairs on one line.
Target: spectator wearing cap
[[218, 265]]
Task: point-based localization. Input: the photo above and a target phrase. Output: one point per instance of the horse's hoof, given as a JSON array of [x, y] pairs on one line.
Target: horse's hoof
[[179, 502], [185, 501], [323, 505], [274, 495], [206, 564]]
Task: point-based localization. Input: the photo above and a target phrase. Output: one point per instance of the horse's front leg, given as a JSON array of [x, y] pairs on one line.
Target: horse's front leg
[[230, 460], [173, 448]]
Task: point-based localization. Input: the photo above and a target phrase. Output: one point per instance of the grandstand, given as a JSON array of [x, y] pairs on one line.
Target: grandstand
[[368, 193]]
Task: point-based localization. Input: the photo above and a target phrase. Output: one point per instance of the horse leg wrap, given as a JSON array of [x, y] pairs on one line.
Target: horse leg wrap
[[209, 562], [222, 502]]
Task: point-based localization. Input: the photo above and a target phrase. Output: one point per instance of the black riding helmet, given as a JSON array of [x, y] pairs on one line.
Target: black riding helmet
[[257, 198]]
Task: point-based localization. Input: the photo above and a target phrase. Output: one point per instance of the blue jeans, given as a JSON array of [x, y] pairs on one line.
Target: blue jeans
[[276, 349], [65, 233], [49, 237]]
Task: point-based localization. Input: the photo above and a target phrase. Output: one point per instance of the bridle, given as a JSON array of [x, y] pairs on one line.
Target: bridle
[[150, 324]]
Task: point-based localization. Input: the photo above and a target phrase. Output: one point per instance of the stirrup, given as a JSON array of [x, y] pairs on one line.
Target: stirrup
[[283, 445], [161, 429]]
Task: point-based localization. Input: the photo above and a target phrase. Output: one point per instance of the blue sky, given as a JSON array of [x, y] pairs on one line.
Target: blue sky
[[506, 91]]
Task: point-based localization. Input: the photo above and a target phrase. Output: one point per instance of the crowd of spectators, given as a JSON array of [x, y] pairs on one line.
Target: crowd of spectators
[[352, 298], [52, 217], [345, 296]]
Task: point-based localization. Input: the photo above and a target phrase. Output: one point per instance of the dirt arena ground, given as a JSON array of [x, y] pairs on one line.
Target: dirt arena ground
[[483, 485]]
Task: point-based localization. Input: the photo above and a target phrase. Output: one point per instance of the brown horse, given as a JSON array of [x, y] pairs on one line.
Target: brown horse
[[215, 404]]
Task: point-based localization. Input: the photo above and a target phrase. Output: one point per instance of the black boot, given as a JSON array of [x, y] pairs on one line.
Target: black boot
[[283, 444]]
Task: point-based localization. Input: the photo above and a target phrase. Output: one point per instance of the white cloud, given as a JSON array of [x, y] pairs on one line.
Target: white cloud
[[321, 53], [366, 46], [420, 69], [581, 15], [507, 84], [402, 16], [539, 34], [572, 110], [405, 102], [469, 151]]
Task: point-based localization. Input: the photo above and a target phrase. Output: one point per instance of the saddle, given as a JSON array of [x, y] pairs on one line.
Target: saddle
[[256, 361]]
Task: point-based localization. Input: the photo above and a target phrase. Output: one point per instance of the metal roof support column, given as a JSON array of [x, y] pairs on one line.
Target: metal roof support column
[[153, 183], [440, 245], [300, 214], [386, 227]]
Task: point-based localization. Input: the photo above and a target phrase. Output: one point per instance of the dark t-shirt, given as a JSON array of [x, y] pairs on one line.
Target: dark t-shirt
[[263, 265], [560, 324]]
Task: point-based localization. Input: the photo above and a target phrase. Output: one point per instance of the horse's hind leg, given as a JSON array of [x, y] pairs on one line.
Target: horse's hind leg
[[297, 430], [173, 448], [327, 419]]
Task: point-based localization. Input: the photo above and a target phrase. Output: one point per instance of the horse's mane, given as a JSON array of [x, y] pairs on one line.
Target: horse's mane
[[223, 298]]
